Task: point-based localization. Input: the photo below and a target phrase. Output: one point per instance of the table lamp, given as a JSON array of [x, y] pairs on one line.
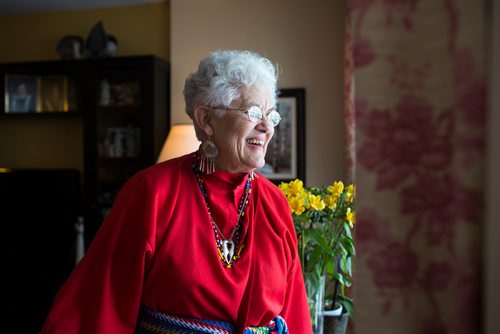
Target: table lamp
[[180, 140]]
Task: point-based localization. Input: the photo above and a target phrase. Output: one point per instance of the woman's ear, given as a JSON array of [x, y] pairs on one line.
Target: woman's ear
[[203, 118]]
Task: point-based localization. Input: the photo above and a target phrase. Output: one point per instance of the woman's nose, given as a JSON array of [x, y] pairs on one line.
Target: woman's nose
[[264, 125]]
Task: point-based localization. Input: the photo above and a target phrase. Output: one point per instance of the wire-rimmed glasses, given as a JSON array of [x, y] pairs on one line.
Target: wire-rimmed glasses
[[255, 114]]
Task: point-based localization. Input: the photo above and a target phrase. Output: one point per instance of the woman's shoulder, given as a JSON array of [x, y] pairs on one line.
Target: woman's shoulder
[[271, 196], [268, 188], [167, 171]]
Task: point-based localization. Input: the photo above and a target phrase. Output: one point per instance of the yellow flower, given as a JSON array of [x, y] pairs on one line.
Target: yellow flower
[[350, 216], [336, 189], [296, 205], [302, 194], [351, 192], [331, 201], [284, 187], [295, 187], [323, 217], [316, 202]]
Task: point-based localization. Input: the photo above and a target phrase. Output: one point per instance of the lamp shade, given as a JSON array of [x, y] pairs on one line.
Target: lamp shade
[[180, 140]]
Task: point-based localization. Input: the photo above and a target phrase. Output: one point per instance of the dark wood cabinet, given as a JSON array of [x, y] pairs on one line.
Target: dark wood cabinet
[[38, 209], [126, 123], [120, 107], [122, 104]]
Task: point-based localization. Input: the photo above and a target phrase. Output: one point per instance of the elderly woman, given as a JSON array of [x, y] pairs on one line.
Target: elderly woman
[[201, 243]]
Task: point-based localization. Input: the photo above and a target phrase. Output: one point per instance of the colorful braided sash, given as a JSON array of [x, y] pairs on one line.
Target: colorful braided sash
[[153, 322]]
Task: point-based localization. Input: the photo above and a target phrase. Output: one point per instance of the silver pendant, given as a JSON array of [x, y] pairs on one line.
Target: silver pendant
[[228, 250]]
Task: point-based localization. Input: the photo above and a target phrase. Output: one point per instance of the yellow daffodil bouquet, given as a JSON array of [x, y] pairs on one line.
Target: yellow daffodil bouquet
[[324, 218]]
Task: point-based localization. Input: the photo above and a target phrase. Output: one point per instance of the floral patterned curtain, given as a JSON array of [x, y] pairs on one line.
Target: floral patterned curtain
[[416, 103]]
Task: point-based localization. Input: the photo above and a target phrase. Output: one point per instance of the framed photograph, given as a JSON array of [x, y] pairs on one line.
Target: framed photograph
[[285, 156], [53, 94], [126, 93], [122, 142], [21, 93], [121, 94]]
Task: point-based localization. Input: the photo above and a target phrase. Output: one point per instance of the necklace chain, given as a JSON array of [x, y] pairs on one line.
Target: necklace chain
[[229, 249]]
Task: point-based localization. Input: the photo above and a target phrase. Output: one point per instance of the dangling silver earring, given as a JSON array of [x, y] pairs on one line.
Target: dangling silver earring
[[208, 152]]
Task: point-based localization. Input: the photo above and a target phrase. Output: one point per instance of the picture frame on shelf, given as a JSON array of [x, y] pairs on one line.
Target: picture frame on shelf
[[126, 94], [21, 93], [119, 93], [285, 156], [53, 94], [122, 142]]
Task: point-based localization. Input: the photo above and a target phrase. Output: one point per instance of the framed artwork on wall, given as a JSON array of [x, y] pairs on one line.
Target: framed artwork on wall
[[285, 156]]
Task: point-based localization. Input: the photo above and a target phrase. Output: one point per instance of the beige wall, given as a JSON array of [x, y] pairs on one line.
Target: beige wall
[[304, 37], [58, 143], [142, 29]]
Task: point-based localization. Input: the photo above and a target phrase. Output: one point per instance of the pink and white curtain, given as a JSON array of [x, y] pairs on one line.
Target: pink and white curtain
[[415, 113]]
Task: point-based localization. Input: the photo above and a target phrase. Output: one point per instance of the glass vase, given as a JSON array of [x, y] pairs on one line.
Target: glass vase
[[316, 298]]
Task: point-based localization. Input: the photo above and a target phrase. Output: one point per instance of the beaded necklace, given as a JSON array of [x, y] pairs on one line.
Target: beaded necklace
[[229, 250]]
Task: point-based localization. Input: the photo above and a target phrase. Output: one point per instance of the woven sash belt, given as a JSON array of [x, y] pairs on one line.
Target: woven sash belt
[[153, 322]]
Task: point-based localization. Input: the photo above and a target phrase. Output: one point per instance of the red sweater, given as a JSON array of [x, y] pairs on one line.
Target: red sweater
[[157, 248]]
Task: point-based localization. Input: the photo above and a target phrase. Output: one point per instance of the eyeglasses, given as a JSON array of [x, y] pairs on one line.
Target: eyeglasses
[[255, 114]]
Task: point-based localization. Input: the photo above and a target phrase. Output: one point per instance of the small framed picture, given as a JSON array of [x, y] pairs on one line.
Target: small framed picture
[[21, 93], [119, 93], [126, 94], [53, 94], [285, 156], [122, 142]]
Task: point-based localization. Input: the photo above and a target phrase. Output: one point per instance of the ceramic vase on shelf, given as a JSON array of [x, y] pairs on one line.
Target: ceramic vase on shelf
[[316, 298]]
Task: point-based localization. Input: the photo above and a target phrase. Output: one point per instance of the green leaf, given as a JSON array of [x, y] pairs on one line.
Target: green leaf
[[347, 229], [313, 261], [348, 304], [345, 265], [320, 239], [348, 245], [340, 278], [349, 265], [330, 268]]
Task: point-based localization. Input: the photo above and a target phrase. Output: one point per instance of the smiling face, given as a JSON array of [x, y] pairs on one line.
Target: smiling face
[[242, 144]]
